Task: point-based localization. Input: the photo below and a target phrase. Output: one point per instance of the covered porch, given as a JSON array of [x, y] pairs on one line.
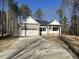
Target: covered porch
[[50, 30]]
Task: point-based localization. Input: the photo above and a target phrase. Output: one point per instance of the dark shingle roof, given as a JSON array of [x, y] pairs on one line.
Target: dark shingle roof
[[43, 22]]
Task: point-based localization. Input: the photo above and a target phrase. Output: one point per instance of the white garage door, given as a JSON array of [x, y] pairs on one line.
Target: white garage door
[[29, 32], [32, 33], [22, 33]]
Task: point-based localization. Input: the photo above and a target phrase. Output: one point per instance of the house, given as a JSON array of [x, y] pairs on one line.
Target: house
[[33, 27]]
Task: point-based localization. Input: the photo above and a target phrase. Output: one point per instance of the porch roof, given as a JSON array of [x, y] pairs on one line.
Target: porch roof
[[54, 22]]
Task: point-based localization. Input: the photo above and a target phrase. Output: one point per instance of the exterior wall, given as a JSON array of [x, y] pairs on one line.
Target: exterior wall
[[53, 33], [54, 22], [30, 30], [36, 31], [50, 31], [22, 33], [30, 27], [44, 32], [30, 20]]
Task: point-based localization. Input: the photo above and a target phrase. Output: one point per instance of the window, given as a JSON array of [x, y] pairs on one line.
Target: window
[[55, 28], [43, 29]]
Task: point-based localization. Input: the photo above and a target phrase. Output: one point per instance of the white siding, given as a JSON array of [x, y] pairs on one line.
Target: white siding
[[29, 33], [30, 20], [54, 22], [44, 32], [32, 27], [32, 33], [22, 32], [49, 31]]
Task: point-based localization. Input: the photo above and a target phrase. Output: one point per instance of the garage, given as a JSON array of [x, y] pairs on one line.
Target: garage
[[30, 30], [30, 27]]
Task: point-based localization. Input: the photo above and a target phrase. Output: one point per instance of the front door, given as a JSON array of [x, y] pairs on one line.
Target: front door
[[40, 31]]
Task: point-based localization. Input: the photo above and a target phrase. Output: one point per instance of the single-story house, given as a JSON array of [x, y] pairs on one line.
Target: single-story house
[[33, 27]]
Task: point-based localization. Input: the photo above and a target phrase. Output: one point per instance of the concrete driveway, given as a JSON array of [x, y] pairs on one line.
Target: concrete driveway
[[35, 48]]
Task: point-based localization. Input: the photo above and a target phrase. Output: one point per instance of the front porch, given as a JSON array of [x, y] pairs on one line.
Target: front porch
[[50, 30]]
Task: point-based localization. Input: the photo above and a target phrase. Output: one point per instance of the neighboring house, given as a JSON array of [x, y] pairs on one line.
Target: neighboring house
[[33, 27]]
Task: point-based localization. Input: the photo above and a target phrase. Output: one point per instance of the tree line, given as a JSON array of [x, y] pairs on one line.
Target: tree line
[[70, 22], [11, 15], [69, 26]]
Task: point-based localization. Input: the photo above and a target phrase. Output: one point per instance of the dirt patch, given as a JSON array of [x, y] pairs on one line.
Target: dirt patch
[[72, 42], [63, 44], [5, 43], [72, 38]]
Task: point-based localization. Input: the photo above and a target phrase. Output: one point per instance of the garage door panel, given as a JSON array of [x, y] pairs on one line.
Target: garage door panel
[[31, 32], [22, 33]]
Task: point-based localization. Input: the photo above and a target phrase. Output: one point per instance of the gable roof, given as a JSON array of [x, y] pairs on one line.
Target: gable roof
[[31, 20], [43, 22], [54, 22]]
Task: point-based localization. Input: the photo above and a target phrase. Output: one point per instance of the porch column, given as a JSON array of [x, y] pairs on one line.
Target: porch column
[[48, 30], [60, 30], [38, 30]]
